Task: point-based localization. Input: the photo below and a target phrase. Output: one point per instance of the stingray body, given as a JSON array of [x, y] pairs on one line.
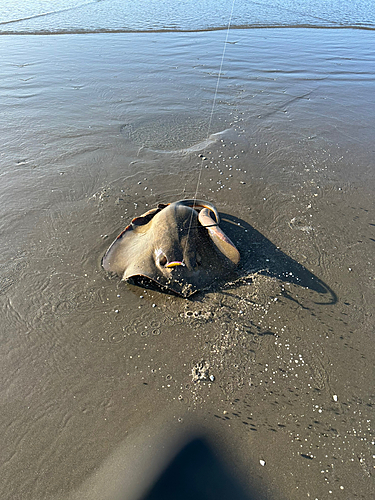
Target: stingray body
[[179, 246]]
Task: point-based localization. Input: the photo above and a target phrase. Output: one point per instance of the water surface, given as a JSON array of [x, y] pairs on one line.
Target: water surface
[[96, 129], [62, 16]]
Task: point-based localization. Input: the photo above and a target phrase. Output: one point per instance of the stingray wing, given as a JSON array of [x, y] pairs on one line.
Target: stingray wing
[[131, 247]]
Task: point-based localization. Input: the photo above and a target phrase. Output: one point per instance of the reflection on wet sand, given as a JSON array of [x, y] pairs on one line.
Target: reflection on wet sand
[[279, 361]]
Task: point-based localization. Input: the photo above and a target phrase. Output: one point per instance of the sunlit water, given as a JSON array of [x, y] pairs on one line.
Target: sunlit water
[[152, 15], [98, 128]]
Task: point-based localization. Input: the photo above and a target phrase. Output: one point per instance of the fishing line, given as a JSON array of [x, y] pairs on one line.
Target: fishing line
[[211, 115]]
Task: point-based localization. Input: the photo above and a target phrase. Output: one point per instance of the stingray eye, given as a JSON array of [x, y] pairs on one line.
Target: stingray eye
[[162, 260], [198, 259]]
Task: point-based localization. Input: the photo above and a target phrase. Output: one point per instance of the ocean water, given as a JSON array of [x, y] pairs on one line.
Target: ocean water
[[106, 109], [66, 16]]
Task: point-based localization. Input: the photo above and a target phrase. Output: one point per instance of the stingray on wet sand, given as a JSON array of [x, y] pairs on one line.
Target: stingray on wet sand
[[179, 246]]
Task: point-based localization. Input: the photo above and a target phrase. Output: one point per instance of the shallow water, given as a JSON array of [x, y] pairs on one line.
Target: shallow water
[[97, 129]]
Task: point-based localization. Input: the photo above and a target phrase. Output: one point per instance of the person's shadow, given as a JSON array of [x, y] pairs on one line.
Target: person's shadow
[[260, 255]]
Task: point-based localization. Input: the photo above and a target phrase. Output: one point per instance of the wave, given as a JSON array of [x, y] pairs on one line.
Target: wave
[[74, 31], [199, 146], [26, 17], [49, 13]]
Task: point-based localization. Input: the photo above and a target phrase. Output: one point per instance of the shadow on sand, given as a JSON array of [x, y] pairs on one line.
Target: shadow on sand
[[260, 255], [197, 472]]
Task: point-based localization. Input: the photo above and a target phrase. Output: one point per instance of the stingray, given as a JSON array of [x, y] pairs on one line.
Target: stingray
[[179, 246]]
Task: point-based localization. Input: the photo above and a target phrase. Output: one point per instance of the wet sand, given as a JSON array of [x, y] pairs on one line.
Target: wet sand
[[97, 374]]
